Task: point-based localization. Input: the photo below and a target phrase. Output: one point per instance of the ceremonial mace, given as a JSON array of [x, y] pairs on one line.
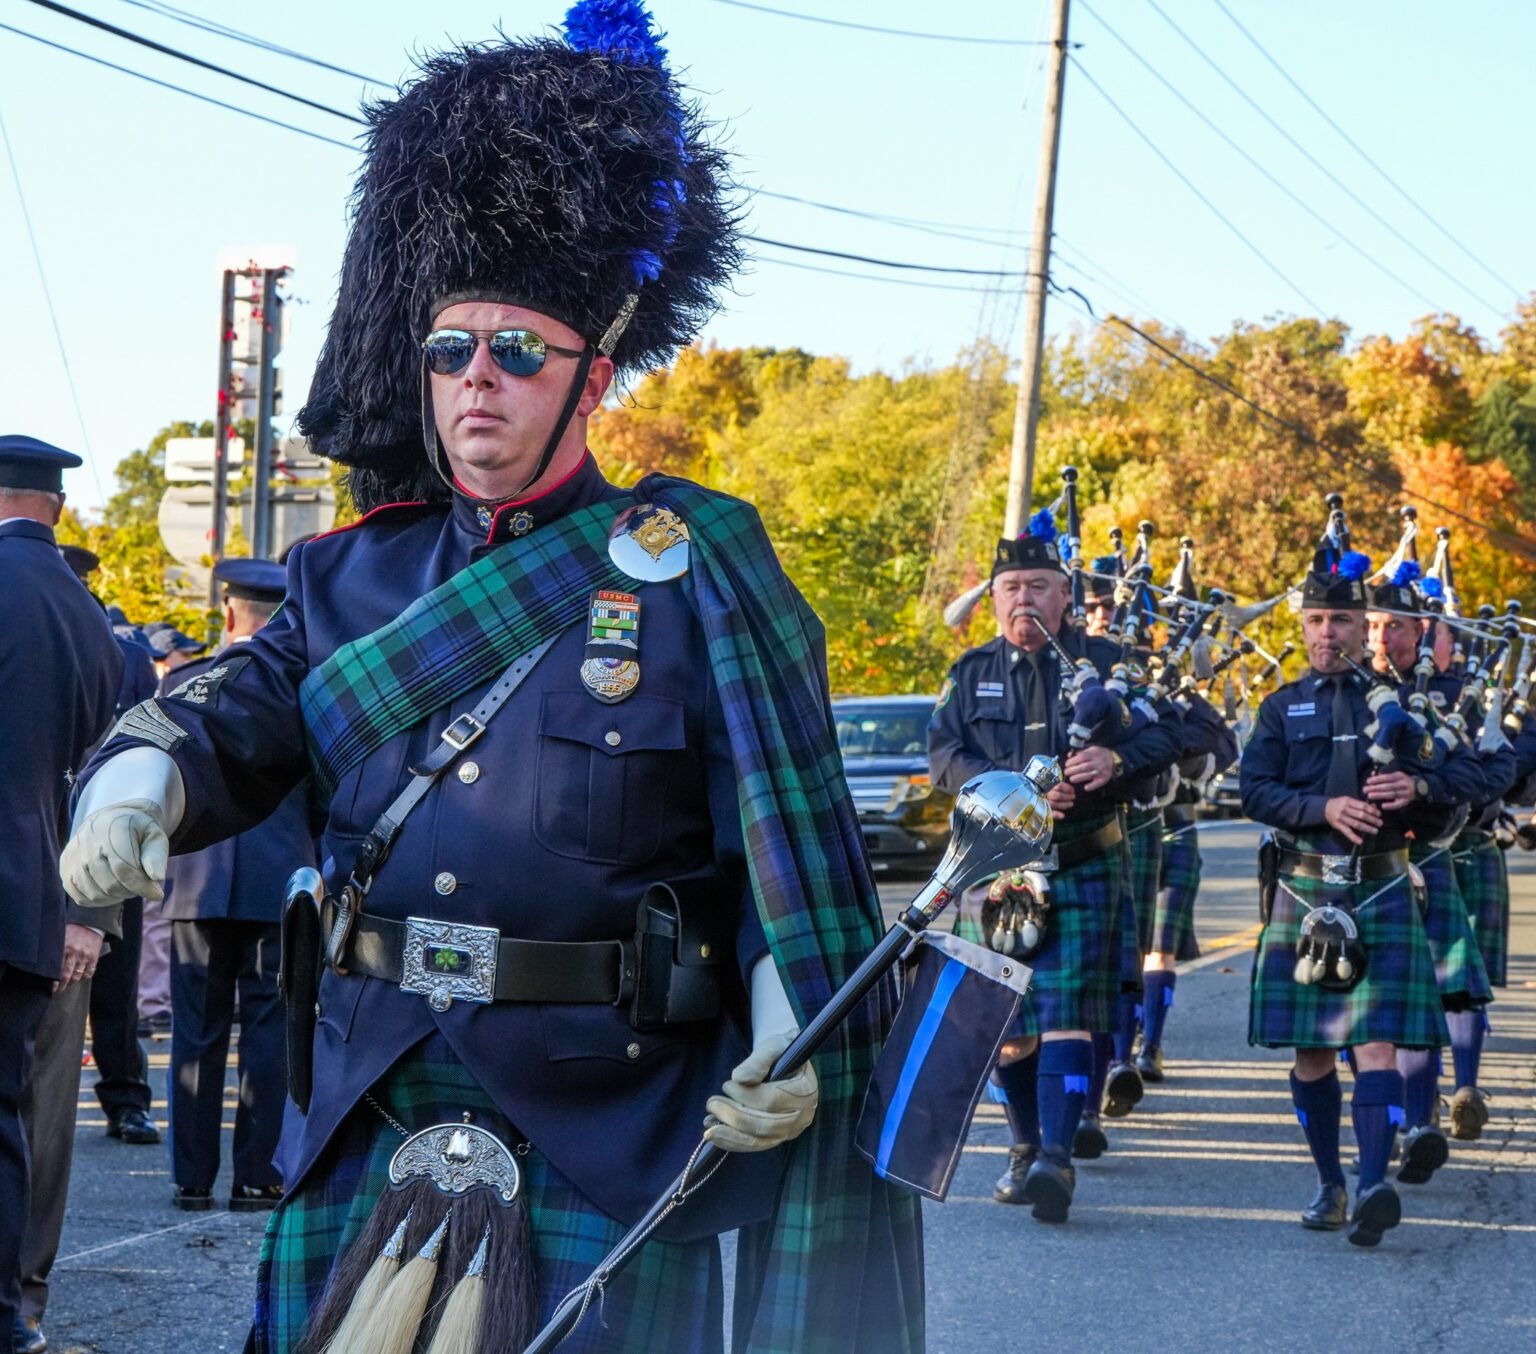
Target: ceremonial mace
[[1000, 822]]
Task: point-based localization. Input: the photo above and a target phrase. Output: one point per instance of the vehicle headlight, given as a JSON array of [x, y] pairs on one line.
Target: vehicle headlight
[[917, 787]]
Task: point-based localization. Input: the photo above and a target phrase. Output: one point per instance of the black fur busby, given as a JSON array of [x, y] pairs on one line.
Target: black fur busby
[[568, 175]]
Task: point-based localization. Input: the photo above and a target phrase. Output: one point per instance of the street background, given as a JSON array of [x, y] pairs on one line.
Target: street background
[[1183, 1236]]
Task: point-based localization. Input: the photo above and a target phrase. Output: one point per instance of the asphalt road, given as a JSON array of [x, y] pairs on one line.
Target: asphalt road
[[1183, 1236]]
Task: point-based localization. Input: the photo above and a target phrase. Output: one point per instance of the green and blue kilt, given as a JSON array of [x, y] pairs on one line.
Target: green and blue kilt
[[1173, 926], [1144, 833], [671, 1297], [1483, 875], [1076, 982], [1396, 1002], [1459, 971]]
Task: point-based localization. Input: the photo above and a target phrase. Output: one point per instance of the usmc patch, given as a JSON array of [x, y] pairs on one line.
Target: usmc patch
[[204, 688]]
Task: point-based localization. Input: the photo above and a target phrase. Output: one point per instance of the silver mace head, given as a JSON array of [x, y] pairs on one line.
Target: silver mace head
[[1000, 822]]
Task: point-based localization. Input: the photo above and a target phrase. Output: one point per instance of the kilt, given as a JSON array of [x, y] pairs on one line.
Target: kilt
[[1483, 875], [1396, 1002], [1077, 969], [670, 1297], [1173, 924], [1459, 971], [1144, 832]]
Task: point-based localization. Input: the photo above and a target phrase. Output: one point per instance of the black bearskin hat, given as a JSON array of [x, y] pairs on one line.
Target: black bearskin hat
[[565, 175]]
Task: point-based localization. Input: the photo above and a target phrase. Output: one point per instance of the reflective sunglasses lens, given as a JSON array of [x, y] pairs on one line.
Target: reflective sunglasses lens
[[449, 350], [519, 352]]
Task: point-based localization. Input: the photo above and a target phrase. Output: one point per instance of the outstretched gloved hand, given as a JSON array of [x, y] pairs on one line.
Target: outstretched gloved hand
[[754, 1115], [119, 851]]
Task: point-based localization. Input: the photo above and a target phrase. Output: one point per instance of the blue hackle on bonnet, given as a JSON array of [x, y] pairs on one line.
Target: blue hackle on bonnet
[[1353, 566], [1407, 572], [1042, 526], [1433, 589]]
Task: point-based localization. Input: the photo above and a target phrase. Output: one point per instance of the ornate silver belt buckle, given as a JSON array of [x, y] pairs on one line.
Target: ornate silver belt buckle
[[1338, 870], [444, 962]]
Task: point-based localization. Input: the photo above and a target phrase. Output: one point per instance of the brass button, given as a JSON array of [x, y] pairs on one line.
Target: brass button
[[469, 773], [445, 883], [704, 951], [633, 1050], [612, 738]]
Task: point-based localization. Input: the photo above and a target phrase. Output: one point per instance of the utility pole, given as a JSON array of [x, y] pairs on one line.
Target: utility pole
[[1026, 414], [223, 429], [266, 408]]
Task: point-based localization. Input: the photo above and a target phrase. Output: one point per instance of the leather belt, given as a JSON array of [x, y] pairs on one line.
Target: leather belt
[[1336, 870], [1095, 843], [445, 961]]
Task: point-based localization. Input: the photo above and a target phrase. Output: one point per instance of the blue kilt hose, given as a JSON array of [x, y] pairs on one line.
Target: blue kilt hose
[[1396, 1002], [1144, 833], [1459, 971], [1483, 876], [671, 1296], [1173, 924]]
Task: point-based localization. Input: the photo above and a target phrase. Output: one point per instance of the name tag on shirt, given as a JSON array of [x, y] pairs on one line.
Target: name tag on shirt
[[987, 690], [1309, 708]]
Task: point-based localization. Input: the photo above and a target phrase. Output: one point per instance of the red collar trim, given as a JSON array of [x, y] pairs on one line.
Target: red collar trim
[[533, 498], [372, 513]]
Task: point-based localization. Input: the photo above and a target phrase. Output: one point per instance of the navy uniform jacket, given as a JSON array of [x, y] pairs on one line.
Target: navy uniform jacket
[[1285, 768], [139, 681], [577, 807], [979, 724], [240, 878], [59, 674], [1205, 734]]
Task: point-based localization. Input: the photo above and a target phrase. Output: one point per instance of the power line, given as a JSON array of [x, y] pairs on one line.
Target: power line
[[886, 263], [1294, 197], [944, 229], [1317, 164], [179, 89], [1360, 151], [53, 316], [889, 32], [1185, 180], [892, 281], [1510, 540], [160, 47], [182, 16]]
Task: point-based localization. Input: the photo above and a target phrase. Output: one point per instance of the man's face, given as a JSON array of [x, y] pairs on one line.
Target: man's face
[[1331, 636], [1393, 641], [1100, 612], [1445, 646], [1021, 595], [495, 425]]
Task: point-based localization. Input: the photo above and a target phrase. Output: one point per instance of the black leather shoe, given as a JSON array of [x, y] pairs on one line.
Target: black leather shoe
[[191, 1200], [254, 1198], [1329, 1211], [27, 1336], [1425, 1151], [1089, 1142], [1010, 1184], [1469, 1112], [1122, 1091], [1049, 1186], [1149, 1062], [1378, 1210], [133, 1125]]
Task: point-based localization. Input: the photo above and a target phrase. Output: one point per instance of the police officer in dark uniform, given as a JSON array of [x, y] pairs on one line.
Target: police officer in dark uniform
[[1003, 703], [59, 672], [1343, 961], [224, 904]]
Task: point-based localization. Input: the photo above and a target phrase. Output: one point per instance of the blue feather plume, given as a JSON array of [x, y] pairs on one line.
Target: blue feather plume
[[1103, 564], [621, 29], [1042, 525], [1353, 566], [1407, 572], [1433, 589]]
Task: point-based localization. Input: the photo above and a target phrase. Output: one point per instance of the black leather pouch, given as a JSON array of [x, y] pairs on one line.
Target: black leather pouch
[[681, 940]]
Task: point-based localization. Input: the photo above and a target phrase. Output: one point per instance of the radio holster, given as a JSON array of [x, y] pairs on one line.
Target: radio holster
[[1269, 875], [682, 936]]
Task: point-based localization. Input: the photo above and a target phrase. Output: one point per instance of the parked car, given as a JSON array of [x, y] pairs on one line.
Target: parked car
[[884, 742]]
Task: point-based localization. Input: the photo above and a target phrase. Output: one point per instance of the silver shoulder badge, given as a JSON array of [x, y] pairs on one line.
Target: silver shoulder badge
[[148, 722], [650, 543]]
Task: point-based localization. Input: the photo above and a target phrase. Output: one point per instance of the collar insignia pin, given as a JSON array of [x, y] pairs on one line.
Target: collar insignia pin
[[521, 523]]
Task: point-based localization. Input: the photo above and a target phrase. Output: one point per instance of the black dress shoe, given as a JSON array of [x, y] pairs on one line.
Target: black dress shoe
[[1425, 1151], [191, 1200], [27, 1335], [133, 1125], [254, 1198], [1378, 1210], [1149, 1062], [1089, 1142], [1329, 1211], [1049, 1186], [1122, 1091]]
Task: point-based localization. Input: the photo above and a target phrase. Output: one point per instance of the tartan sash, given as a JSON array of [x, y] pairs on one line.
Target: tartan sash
[[460, 635]]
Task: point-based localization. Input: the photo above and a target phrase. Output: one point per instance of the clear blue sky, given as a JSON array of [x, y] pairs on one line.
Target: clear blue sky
[[134, 190]]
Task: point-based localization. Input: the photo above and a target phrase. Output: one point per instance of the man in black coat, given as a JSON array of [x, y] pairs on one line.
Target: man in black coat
[[59, 673]]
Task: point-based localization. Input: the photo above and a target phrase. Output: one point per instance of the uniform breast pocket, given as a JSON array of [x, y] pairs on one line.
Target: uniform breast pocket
[[1308, 748], [604, 775]]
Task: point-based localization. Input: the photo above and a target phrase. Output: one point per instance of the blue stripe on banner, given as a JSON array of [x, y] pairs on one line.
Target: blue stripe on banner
[[922, 1042]]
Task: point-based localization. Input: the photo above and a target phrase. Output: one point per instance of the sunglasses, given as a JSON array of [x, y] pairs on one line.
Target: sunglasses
[[518, 352]]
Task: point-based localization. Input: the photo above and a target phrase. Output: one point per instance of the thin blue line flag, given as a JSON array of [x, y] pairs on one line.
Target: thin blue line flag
[[959, 1002]]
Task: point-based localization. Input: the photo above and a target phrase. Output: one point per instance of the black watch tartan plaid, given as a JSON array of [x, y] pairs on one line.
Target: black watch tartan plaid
[[1459, 971], [1144, 836], [1173, 924], [1483, 875]]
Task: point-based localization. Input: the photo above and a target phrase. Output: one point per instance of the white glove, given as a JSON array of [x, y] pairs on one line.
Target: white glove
[[120, 842], [753, 1115]]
